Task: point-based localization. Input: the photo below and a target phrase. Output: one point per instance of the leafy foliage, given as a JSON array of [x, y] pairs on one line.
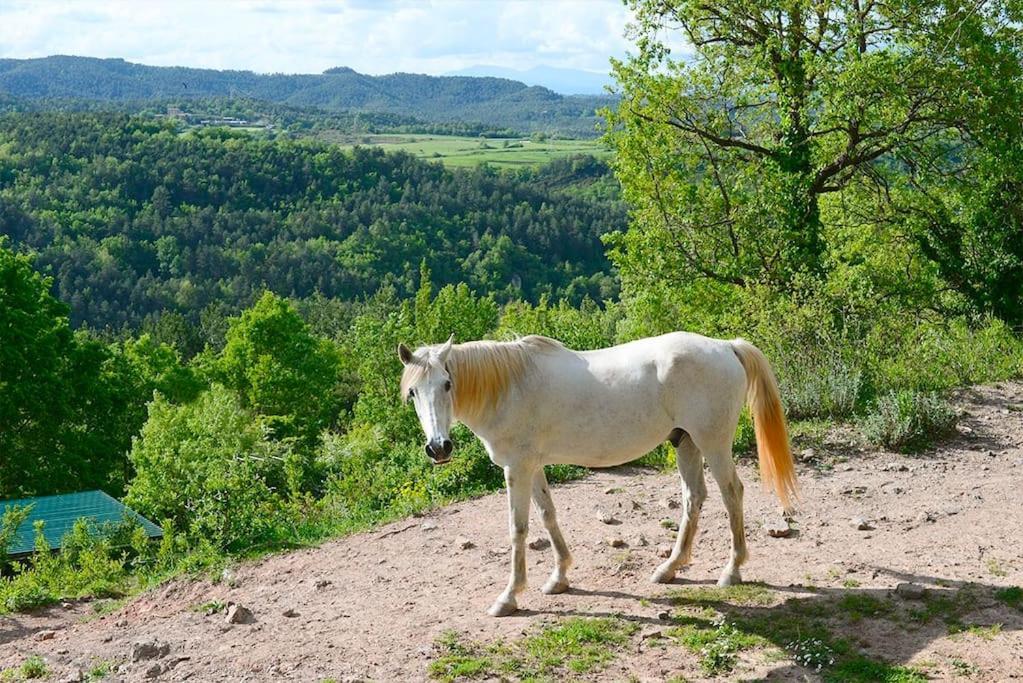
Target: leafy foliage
[[135, 220], [748, 160], [908, 421]]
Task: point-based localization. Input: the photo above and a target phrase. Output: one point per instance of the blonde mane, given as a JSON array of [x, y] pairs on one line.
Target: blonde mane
[[482, 371]]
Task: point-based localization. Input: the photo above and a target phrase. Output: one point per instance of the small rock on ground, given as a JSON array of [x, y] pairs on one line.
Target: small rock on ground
[[778, 528], [238, 614], [664, 551], [539, 543], [910, 591], [464, 543], [46, 635], [615, 542], [148, 649], [154, 670], [606, 517], [860, 524]]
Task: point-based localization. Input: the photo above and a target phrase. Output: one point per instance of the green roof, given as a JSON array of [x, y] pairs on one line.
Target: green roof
[[62, 511]]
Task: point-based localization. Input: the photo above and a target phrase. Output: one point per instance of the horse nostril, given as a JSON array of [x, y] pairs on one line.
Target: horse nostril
[[448, 446], [429, 452]]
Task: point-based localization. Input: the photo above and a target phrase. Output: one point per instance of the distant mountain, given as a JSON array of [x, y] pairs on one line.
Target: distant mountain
[[564, 81], [496, 102]]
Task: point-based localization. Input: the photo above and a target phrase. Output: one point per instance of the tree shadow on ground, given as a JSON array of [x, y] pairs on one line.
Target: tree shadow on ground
[[834, 634]]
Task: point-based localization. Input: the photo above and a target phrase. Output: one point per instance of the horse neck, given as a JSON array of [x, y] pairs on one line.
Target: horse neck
[[483, 374]]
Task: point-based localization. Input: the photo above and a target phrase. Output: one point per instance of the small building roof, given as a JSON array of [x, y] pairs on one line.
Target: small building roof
[[60, 513]]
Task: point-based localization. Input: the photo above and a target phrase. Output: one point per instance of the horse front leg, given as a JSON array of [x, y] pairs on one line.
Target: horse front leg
[[558, 583], [519, 481]]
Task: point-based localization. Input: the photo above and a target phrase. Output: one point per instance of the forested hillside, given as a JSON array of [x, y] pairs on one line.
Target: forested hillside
[[497, 102], [133, 218], [838, 184]]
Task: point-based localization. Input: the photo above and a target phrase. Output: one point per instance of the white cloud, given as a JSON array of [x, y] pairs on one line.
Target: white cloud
[[308, 36]]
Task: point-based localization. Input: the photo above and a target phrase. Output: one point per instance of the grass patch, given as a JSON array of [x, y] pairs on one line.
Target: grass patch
[[860, 669], [948, 606], [716, 647], [717, 624], [744, 595], [99, 670], [996, 568], [858, 605], [1011, 596], [575, 646], [211, 607], [963, 668], [32, 668], [460, 151], [980, 631]]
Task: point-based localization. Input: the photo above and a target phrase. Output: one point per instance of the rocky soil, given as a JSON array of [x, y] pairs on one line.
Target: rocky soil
[[372, 606]]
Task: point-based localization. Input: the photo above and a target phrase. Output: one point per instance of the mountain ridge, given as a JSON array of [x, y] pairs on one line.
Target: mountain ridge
[[494, 101]]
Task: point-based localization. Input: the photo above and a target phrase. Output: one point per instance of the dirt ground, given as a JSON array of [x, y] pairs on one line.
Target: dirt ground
[[372, 606]]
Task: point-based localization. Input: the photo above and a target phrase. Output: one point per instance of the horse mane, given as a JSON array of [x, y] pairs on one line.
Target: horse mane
[[483, 371]]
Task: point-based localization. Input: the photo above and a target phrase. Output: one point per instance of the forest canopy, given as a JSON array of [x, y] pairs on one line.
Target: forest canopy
[[133, 218]]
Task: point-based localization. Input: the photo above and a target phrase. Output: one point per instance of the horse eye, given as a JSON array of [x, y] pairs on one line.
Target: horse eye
[[447, 385], [411, 393]]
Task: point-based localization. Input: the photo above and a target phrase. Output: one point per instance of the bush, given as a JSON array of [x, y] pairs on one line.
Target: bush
[[934, 356], [93, 561], [908, 421], [211, 468]]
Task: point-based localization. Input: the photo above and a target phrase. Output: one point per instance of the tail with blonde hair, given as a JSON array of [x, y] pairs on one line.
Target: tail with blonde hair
[[777, 469]]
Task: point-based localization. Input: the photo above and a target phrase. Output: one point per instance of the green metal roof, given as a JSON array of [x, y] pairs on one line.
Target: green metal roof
[[62, 511]]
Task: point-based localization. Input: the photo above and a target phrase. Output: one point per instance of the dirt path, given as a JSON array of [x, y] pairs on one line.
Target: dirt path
[[372, 606]]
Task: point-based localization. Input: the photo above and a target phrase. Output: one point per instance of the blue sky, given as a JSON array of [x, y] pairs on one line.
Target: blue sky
[[308, 36]]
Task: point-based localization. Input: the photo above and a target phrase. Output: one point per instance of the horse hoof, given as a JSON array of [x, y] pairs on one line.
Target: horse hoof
[[663, 575], [729, 579], [553, 587], [502, 609]]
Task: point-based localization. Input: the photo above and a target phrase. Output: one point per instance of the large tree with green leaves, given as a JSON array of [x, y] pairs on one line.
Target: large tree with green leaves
[[281, 370], [730, 151]]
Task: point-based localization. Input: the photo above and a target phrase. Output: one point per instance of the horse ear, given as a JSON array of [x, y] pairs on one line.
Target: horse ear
[[404, 354], [442, 352]]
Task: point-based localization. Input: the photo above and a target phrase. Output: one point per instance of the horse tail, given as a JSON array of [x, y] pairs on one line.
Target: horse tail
[[777, 470]]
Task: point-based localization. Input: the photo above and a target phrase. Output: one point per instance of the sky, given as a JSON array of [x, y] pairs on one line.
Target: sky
[[308, 36]]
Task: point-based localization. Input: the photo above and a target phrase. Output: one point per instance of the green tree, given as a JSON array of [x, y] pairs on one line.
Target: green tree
[[36, 344], [210, 468], [281, 370], [726, 154]]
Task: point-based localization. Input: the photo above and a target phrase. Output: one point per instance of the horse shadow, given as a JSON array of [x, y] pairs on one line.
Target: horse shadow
[[853, 633]]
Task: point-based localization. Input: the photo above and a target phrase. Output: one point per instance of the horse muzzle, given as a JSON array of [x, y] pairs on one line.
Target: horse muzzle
[[440, 451]]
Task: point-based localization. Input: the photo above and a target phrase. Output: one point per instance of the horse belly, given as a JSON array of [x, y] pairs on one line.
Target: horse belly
[[601, 438]]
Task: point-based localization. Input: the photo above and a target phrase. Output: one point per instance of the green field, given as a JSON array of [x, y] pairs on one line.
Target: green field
[[461, 151]]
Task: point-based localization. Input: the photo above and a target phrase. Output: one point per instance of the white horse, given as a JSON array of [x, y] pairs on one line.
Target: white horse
[[533, 402]]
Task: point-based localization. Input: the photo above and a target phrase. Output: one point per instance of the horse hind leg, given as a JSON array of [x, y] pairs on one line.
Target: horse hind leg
[[694, 492], [558, 582], [719, 460]]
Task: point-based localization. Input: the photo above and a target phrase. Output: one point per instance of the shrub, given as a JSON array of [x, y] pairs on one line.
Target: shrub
[[935, 356], [908, 421], [210, 467], [9, 522], [93, 561]]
